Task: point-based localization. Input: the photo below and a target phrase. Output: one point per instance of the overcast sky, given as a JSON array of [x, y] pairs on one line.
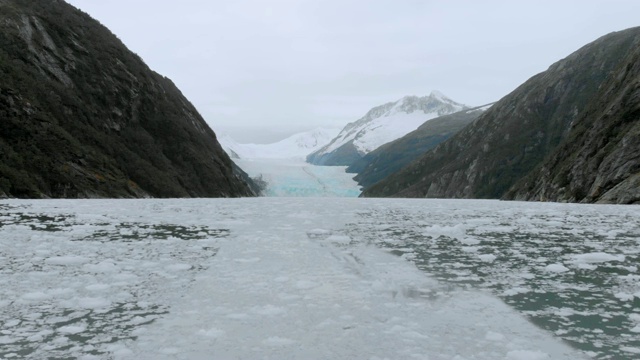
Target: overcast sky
[[259, 70]]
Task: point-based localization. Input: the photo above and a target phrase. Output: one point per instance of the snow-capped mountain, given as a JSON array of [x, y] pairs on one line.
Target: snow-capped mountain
[[295, 146], [381, 125]]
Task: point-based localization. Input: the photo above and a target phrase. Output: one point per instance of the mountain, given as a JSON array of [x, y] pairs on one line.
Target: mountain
[[600, 159], [381, 125], [524, 130], [295, 146], [82, 116], [393, 156]]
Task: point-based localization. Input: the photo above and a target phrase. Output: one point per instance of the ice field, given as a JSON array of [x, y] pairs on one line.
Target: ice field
[[318, 278], [295, 178]]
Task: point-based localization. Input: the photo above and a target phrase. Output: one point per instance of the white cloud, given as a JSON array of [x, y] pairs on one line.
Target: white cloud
[[278, 63]]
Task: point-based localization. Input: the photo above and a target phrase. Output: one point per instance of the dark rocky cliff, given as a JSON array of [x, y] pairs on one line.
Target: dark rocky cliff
[[82, 116], [600, 159], [518, 133]]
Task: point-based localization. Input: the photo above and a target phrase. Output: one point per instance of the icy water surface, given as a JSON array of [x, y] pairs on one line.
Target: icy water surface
[[572, 269], [102, 279]]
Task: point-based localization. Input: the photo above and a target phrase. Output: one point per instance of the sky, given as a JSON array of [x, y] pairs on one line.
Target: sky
[[261, 70]]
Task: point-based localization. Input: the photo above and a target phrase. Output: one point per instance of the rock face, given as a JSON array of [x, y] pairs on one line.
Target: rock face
[[600, 159], [381, 125], [530, 125], [82, 116], [391, 157]]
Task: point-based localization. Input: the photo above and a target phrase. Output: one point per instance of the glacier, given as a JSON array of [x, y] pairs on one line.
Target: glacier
[[296, 178], [318, 278], [283, 167]]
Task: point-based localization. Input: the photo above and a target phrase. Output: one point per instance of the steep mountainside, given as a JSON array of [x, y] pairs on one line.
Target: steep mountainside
[[381, 125], [600, 160], [393, 156], [82, 116], [295, 146], [514, 136]]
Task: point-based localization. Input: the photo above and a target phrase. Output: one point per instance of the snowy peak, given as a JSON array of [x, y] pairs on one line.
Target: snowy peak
[[383, 124], [296, 146]]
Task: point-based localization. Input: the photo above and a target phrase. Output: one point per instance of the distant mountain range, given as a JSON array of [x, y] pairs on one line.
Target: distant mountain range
[[571, 133], [381, 125], [296, 146], [395, 155], [82, 116]]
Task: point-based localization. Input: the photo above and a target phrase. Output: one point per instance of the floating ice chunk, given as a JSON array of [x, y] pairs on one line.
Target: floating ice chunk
[[36, 296], [629, 349], [586, 266], [488, 258], [456, 232], [101, 267], [636, 329], [93, 303], [211, 333], [247, 260], [269, 310], [319, 232], [624, 296], [556, 268], [516, 291], [238, 316], [306, 285], [470, 241], [339, 239], [527, 355], [277, 341], [72, 329], [4, 340], [12, 323], [179, 267], [494, 336], [66, 260], [597, 257], [97, 287]]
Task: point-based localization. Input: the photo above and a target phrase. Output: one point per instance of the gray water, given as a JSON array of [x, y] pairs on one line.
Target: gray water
[[513, 251], [591, 306]]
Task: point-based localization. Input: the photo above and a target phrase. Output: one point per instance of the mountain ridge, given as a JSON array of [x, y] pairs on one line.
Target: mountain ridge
[[82, 116], [382, 124], [393, 156], [518, 133]]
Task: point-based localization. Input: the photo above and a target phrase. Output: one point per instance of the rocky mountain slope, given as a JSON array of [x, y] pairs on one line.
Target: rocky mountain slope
[[600, 159], [381, 125], [488, 157], [391, 157], [295, 146], [82, 116]]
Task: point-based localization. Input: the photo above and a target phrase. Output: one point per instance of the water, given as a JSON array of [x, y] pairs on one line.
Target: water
[[86, 278]]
